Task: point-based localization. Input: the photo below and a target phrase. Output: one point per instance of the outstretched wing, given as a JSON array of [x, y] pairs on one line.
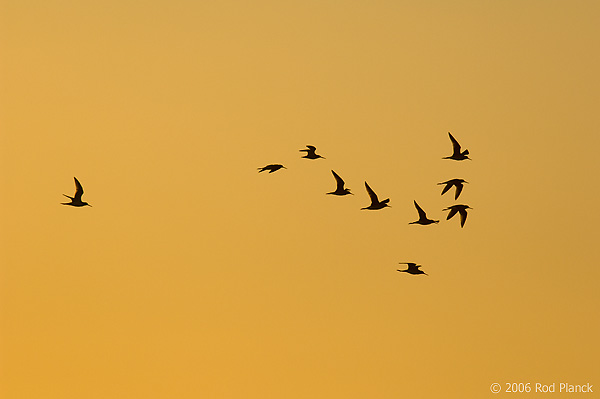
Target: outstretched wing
[[455, 145], [311, 147], [452, 212], [459, 187], [338, 179], [463, 217], [446, 188], [422, 214], [78, 190], [374, 199]]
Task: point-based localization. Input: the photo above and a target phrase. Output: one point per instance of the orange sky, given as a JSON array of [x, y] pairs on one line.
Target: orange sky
[[194, 276]]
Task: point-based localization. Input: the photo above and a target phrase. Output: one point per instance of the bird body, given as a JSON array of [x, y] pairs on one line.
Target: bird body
[[76, 199], [423, 219], [375, 203], [271, 168], [462, 209], [340, 190], [310, 152], [413, 268], [458, 183], [457, 155]]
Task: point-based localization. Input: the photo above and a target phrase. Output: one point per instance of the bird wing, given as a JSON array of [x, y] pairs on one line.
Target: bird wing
[[459, 187], [311, 147], [422, 214], [452, 212], [446, 188], [78, 190], [455, 144], [339, 180], [374, 199], [463, 217]]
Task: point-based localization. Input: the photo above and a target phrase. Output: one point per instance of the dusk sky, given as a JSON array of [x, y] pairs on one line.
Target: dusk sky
[[194, 276]]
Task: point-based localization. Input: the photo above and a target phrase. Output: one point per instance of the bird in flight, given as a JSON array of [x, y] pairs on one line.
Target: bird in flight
[[458, 183], [457, 155], [462, 209], [423, 217], [271, 168], [375, 203], [340, 190], [310, 152], [413, 268], [76, 200]]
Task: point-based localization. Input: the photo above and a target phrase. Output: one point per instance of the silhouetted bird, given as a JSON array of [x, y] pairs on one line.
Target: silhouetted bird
[[457, 155], [423, 217], [462, 209], [271, 168], [76, 200], [340, 190], [375, 203], [310, 153], [458, 183], [413, 268]]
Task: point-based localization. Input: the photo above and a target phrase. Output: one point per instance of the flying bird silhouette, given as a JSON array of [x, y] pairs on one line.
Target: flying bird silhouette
[[413, 268], [271, 168], [458, 183], [340, 190], [310, 152], [375, 203], [462, 209], [423, 217], [457, 155], [76, 200]]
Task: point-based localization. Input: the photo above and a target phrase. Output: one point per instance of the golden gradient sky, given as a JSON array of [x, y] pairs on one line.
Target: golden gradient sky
[[193, 276]]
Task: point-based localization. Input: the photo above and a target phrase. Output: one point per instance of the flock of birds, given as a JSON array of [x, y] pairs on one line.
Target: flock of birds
[[341, 190], [457, 154]]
